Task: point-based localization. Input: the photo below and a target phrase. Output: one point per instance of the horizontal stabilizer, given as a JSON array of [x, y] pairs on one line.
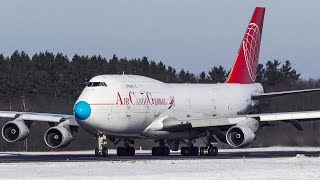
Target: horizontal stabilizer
[[259, 96]]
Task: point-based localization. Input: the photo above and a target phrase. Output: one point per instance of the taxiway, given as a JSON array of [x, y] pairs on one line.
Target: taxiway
[[252, 163]]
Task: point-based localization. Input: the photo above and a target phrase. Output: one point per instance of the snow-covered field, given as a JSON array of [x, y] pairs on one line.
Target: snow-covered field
[[296, 167]]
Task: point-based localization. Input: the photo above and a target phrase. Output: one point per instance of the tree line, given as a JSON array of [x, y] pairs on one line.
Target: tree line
[[48, 82]]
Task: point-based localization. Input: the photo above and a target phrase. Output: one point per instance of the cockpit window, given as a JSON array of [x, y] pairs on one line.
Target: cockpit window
[[96, 84]]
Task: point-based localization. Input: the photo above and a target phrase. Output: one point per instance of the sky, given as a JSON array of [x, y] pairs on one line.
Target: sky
[[191, 34]]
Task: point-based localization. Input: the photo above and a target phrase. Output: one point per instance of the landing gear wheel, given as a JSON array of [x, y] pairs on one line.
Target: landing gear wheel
[[160, 151], [189, 151], [121, 151], [185, 151], [131, 151], [126, 151], [209, 151], [96, 152], [104, 152], [213, 151], [194, 151], [166, 151], [101, 150], [156, 151]]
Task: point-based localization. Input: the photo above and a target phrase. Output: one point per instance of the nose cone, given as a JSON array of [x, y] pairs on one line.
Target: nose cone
[[82, 110]]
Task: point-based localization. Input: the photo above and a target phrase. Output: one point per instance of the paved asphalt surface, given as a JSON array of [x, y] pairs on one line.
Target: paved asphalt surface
[[87, 156]]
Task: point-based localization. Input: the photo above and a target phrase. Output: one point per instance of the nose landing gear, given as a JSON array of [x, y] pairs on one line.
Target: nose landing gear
[[101, 150]]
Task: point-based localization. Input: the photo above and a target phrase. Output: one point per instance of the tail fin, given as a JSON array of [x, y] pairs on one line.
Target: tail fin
[[244, 70]]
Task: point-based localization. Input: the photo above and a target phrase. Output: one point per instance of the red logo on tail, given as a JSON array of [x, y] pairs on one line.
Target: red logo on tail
[[244, 69], [251, 48]]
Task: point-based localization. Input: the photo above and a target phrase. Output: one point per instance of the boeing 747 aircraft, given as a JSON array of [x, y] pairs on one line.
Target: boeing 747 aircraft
[[128, 107]]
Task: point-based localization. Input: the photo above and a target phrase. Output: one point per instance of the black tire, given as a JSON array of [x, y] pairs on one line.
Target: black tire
[[202, 151], [160, 151], [185, 151], [194, 151], [131, 151], [96, 152], [155, 151], [121, 151], [212, 151], [104, 152], [166, 151], [216, 151]]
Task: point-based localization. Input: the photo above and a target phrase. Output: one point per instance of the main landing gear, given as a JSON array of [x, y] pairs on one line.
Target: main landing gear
[[162, 150], [204, 151], [126, 150], [191, 150], [209, 151], [101, 150]]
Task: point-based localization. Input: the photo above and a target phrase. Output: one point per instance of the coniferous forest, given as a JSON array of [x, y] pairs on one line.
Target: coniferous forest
[[48, 82]]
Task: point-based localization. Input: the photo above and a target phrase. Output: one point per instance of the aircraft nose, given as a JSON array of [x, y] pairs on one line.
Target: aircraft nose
[[82, 110]]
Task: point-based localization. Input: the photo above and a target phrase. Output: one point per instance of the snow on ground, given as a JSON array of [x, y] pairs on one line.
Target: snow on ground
[[297, 167]]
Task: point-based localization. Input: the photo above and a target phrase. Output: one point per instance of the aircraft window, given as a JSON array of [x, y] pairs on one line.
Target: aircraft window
[[95, 84], [89, 84]]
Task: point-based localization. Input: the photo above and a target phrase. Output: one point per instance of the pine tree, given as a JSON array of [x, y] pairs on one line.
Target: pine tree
[[217, 75]]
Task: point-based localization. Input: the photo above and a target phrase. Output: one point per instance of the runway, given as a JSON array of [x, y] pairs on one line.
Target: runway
[[87, 156], [253, 163]]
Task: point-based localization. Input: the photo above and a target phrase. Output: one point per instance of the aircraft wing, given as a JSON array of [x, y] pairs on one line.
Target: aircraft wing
[[174, 125], [44, 117], [258, 96]]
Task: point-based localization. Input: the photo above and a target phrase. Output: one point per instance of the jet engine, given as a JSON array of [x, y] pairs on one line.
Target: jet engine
[[15, 130], [58, 137], [243, 133]]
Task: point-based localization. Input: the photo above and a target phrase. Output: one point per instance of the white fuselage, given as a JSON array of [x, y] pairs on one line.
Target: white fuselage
[[134, 106]]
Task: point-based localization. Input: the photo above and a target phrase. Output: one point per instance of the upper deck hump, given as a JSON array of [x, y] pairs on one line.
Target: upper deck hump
[[123, 78]]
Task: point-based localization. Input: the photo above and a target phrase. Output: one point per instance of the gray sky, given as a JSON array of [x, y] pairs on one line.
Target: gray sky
[[191, 34]]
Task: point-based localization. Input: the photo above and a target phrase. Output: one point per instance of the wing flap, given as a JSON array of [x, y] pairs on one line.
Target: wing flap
[[173, 125], [37, 117], [216, 122], [303, 115], [43, 117], [9, 114]]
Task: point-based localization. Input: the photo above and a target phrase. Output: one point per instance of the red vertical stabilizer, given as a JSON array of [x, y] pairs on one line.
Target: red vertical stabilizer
[[244, 70]]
